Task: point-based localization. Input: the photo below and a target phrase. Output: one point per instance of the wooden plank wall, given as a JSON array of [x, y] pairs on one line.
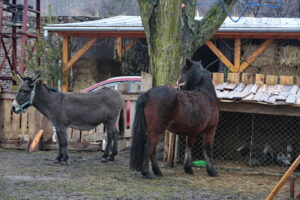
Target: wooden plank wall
[[17, 129]]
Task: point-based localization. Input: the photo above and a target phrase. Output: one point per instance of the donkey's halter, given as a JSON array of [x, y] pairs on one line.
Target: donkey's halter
[[27, 103]]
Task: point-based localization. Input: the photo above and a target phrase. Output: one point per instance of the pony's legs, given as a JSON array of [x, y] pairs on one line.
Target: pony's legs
[[152, 141], [155, 167], [63, 143], [190, 140], [208, 141]]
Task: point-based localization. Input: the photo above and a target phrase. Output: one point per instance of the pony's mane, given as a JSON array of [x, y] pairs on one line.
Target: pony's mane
[[199, 79]]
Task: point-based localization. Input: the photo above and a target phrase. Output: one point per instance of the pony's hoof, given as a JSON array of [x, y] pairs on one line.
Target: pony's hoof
[[148, 175], [188, 170], [111, 158], [103, 159], [64, 162], [212, 174]]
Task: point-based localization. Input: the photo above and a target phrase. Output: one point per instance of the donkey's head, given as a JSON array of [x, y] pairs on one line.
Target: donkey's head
[[25, 95]]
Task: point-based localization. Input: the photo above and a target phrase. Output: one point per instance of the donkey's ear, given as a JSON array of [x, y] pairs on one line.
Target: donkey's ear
[[36, 78], [19, 76], [188, 62]]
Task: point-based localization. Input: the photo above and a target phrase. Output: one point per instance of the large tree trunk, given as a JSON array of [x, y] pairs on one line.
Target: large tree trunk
[[173, 34]]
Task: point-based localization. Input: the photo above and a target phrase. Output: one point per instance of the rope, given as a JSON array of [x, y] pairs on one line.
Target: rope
[[250, 3]]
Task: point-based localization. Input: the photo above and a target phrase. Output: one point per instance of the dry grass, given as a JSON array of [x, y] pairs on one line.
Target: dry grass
[[290, 56], [275, 60], [34, 176]]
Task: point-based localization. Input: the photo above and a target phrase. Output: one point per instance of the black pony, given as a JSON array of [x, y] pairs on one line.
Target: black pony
[[82, 111], [190, 111]]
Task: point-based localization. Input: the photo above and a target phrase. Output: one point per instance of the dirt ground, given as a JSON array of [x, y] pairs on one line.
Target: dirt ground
[[36, 176]]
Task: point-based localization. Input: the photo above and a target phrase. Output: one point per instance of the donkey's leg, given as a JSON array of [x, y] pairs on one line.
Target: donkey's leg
[[108, 145], [59, 156], [64, 144], [190, 140], [115, 144], [208, 141]]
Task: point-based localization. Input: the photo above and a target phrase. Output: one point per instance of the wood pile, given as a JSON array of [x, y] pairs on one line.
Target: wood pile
[[258, 88]]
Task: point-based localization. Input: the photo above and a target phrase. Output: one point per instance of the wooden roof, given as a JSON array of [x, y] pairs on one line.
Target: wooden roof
[[131, 27]]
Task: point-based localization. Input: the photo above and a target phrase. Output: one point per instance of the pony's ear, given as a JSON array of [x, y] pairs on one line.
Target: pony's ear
[[19, 76]]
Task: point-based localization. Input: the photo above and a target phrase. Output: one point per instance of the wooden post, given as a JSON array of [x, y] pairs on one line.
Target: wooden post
[[171, 150], [233, 77], [119, 48], [65, 58], [248, 78], [68, 63], [286, 80], [147, 80], [259, 79], [237, 53], [272, 80], [218, 77], [284, 179]]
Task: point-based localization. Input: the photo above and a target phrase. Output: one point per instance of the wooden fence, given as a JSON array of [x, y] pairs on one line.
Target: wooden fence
[[17, 129]]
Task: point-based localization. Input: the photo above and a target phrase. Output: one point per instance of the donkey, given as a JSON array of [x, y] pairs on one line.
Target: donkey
[[82, 111]]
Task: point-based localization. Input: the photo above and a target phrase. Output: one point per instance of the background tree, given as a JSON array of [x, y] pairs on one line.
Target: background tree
[[173, 34]]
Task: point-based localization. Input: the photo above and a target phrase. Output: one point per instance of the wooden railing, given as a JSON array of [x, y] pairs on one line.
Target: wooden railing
[[17, 129]]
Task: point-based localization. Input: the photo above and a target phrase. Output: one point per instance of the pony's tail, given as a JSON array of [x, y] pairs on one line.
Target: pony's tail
[[139, 135], [121, 123]]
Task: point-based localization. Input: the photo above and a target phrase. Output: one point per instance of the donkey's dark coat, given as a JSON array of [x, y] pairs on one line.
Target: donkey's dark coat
[[82, 111], [191, 111]]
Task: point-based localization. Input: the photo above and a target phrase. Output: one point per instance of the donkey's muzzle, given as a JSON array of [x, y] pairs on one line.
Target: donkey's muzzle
[[16, 108]]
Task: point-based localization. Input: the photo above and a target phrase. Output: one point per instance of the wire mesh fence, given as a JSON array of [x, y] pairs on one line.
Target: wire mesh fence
[[252, 140]]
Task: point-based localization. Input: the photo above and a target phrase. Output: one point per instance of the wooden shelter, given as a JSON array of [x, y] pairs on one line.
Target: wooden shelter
[[120, 27]]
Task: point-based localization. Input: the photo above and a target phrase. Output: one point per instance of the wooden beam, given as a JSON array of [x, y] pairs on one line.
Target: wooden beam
[[255, 54], [31, 147], [120, 48], [65, 58], [129, 45], [257, 108], [257, 35], [101, 34], [284, 179], [220, 55], [79, 53], [237, 53]]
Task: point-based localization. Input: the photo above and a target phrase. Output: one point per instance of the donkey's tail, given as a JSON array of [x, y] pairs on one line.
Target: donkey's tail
[[139, 135], [121, 122]]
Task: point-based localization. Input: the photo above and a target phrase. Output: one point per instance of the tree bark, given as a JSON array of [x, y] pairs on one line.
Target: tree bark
[[173, 34]]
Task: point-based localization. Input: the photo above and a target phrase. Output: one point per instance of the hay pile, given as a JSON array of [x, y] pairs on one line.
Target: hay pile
[[275, 60]]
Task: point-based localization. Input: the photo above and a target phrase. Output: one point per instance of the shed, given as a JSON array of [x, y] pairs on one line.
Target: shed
[[120, 27]]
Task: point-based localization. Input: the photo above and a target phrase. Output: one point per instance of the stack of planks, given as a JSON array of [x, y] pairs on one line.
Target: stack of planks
[[258, 88]]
